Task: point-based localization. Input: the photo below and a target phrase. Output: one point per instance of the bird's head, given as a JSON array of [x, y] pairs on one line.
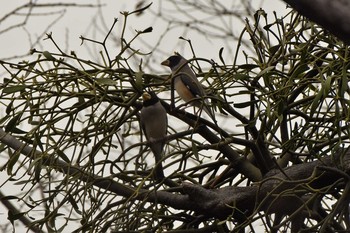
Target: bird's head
[[149, 98], [173, 62]]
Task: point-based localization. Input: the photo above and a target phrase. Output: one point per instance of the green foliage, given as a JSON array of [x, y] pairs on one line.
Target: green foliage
[[298, 82]]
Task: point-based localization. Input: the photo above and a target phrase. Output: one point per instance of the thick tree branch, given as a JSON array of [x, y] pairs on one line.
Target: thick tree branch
[[332, 15], [278, 188]]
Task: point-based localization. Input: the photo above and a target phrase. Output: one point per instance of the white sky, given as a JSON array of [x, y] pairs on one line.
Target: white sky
[[82, 21]]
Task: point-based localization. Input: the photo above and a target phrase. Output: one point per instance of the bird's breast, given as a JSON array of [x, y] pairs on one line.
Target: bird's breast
[[182, 90]]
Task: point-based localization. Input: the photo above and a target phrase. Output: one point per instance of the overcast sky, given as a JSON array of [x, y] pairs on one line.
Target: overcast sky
[[83, 21]]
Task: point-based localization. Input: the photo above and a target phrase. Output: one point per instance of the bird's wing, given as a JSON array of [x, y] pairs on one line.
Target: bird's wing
[[192, 84], [142, 121], [190, 80]]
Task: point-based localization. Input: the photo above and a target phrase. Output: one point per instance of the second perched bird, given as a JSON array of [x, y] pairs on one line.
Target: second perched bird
[[154, 122], [186, 83]]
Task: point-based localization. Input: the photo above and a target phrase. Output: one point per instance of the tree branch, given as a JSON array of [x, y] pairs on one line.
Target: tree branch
[[332, 15], [238, 202]]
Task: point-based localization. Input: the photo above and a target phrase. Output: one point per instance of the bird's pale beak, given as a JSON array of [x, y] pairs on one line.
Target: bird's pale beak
[[165, 63], [146, 96]]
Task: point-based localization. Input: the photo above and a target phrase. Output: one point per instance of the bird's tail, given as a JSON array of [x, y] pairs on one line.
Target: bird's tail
[[158, 172]]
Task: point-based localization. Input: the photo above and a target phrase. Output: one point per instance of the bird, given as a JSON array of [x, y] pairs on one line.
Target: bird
[[154, 122], [186, 83]]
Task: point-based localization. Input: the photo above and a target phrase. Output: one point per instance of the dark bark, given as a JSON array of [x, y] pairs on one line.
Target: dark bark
[[332, 15]]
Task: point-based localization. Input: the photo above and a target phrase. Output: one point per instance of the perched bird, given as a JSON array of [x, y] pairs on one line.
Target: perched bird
[[154, 122], [186, 83]]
